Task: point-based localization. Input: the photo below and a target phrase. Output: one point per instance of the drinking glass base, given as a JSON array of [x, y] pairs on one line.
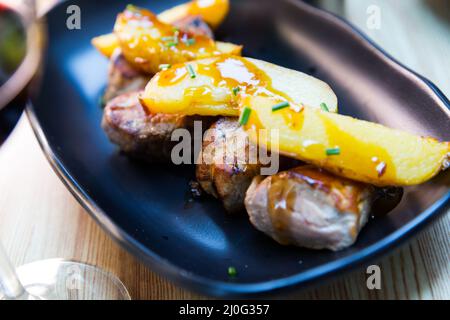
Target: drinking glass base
[[58, 279]]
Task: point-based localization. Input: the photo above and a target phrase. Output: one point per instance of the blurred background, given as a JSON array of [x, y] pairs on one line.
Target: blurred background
[[415, 32]]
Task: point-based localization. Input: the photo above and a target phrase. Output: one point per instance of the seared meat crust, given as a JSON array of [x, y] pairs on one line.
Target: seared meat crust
[[221, 178], [230, 162], [141, 135], [310, 208], [123, 78]]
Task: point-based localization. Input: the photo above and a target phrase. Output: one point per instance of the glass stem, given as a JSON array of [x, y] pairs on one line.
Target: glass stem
[[10, 285]]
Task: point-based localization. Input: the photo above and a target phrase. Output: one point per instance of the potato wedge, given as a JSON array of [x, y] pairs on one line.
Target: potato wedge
[[147, 43], [106, 44], [213, 12], [220, 82], [352, 148]]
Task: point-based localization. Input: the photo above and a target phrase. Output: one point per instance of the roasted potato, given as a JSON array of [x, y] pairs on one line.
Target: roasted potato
[[106, 44], [212, 12], [352, 148], [214, 86], [148, 43]]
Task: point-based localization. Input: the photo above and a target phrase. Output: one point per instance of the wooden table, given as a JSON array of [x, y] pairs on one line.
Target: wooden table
[[40, 219]]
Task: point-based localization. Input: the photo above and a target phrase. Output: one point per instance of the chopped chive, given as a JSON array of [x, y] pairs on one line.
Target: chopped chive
[[245, 115], [164, 66], [236, 90], [173, 41], [280, 106], [232, 272], [191, 71], [190, 42], [168, 39], [333, 151], [324, 107]]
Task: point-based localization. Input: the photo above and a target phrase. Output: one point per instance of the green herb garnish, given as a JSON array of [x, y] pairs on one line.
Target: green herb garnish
[[324, 107], [236, 90], [164, 66], [191, 71], [172, 43], [168, 38], [245, 115], [232, 272], [280, 106], [333, 151]]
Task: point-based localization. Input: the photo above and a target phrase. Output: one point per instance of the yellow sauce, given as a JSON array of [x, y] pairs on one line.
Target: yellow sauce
[[172, 76], [236, 75], [145, 40], [375, 162]]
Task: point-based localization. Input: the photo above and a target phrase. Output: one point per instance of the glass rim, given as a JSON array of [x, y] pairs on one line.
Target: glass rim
[[24, 73]]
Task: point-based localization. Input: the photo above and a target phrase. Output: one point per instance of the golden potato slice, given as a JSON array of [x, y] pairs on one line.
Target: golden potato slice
[[148, 43], [352, 148], [213, 86], [106, 44], [213, 12]]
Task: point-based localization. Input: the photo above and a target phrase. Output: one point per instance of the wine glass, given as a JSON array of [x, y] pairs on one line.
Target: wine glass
[[21, 47]]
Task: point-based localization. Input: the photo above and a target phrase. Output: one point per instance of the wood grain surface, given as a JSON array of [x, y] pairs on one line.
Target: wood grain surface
[[40, 219]]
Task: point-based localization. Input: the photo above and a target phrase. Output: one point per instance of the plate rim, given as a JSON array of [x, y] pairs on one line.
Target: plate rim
[[300, 280]]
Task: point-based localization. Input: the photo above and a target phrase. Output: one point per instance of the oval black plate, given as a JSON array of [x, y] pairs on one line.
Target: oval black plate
[[143, 206]]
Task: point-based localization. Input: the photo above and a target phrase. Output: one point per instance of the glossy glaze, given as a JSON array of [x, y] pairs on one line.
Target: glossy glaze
[[285, 193], [236, 75], [143, 38], [355, 149]]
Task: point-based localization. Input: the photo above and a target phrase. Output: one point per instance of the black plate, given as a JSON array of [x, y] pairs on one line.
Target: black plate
[[143, 206]]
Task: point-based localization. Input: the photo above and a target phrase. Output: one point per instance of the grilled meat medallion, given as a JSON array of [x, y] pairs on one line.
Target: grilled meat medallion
[[141, 135], [218, 176], [310, 208], [123, 78], [230, 162]]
